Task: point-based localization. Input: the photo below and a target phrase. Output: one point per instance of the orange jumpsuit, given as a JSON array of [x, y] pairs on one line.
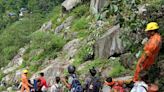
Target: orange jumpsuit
[[151, 50], [25, 84]]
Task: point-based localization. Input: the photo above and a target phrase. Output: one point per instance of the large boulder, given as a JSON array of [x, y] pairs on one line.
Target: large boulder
[[128, 60], [71, 48], [109, 44], [56, 68], [97, 5], [15, 62], [69, 4]]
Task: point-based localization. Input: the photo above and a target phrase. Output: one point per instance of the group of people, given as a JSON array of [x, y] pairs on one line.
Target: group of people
[[93, 83]]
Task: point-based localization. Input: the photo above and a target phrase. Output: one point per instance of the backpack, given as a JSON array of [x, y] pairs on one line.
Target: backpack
[[106, 88], [35, 85], [58, 88], [76, 85], [139, 87], [94, 85]]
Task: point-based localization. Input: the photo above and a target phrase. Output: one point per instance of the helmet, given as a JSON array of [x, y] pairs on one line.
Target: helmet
[[25, 71], [93, 71], [151, 26], [71, 69]]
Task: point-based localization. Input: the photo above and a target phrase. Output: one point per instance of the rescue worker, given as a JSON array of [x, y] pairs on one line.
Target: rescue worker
[[151, 49], [25, 84]]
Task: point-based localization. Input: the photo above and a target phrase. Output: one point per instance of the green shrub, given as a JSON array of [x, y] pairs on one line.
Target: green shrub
[[2, 88], [1, 75], [117, 69], [97, 63], [44, 45], [46, 41], [80, 24], [17, 36], [80, 10], [83, 52]]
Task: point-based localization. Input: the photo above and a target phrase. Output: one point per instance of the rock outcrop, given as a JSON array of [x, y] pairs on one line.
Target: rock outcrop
[[69, 4], [97, 5], [64, 25], [71, 48], [16, 61], [46, 26], [109, 44]]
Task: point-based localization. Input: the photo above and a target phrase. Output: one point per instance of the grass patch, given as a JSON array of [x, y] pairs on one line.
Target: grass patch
[[80, 10], [80, 24], [83, 52], [44, 45], [2, 88], [97, 63], [1, 75], [16, 36], [117, 69]]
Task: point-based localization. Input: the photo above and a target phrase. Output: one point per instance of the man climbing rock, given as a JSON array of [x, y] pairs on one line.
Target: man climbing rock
[[25, 84], [151, 49]]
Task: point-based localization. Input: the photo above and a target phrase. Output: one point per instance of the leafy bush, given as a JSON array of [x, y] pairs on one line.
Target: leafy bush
[[80, 10], [1, 75], [80, 24], [2, 88], [83, 53], [44, 45], [46, 41], [117, 69], [97, 63], [16, 36]]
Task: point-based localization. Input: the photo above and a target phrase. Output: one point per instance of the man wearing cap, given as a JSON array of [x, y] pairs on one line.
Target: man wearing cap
[[25, 84], [151, 49]]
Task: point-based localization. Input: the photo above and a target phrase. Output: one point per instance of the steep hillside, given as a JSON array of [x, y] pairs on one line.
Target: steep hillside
[[51, 35]]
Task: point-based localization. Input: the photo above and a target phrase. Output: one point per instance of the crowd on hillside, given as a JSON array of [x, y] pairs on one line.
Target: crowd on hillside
[[93, 83]]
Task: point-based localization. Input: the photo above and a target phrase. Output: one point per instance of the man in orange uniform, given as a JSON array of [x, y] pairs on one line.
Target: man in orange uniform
[[151, 49], [25, 84]]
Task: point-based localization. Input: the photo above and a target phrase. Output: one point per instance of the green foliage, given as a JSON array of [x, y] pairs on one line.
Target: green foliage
[[43, 45], [16, 36], [117, 69], [97, 63], [83, 52], [55, 15], [1, 75], [46, 41], [80, 24], [81, 10], [43, 6], [2, 88]]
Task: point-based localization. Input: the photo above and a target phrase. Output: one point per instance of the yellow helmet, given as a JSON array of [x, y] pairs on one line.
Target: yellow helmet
[[25, 71], [151, 26]]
